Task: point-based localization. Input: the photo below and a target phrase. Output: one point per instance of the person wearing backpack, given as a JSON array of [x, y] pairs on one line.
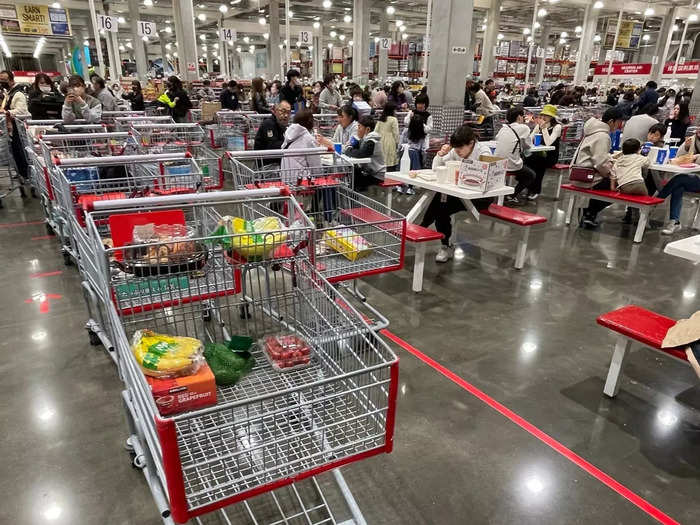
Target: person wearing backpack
[[14, 104], [513, 142]]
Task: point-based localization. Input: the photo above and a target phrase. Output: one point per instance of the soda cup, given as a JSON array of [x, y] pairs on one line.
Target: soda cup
[[646, 147], [661, 156], [537, 140], [672, 152], [338, 147]]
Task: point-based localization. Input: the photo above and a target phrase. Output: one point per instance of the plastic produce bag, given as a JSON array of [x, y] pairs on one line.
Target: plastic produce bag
[[251, 239], [228, 365], [161, 355]]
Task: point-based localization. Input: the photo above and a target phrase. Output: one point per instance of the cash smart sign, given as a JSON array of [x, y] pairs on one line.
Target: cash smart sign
[[28, 19], [618, 70]]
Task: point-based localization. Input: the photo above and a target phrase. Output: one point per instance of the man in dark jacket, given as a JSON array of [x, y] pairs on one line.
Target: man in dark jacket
[[228, 97], [270, 134], [291, 91], [650, 96]]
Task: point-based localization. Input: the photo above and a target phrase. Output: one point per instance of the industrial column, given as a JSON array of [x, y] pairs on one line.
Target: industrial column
[[383, 54], [317, 54], [360, 39], [163, 52], [695, 99], [448, 67], [187, 49], [583, 60], [541, 61], [488, 55], [275, 66], [137, 43]]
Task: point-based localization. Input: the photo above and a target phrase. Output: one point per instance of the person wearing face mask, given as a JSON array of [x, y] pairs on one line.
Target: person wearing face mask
[[14, 104], [45, 101], [291, 91], [176, 99], [78, 104], [329, 101], [135, 97], [274, 98]]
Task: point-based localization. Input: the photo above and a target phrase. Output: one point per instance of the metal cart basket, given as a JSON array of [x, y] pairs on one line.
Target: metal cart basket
[[272, 428]]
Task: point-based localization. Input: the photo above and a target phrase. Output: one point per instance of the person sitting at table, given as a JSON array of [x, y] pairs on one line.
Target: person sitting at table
[[347, 128], [513, 142], [463, 145], [638, 126], [367, 145], [415, 138], [626, 175], [550, 129], [299, 136], [594, 152], [681, 183], [270, 134]]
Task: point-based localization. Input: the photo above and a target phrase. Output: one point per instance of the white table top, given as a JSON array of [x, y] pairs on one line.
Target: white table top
[[672, 168], [533, 149], [448, 189], [327, 160], [688, 248]]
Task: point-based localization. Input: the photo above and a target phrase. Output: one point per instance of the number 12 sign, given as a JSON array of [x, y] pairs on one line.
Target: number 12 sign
[[107, 23], [146, 28]]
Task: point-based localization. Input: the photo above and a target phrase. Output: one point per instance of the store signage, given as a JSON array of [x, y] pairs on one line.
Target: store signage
[[384, 43], [458, 50], [624, 69], [426, 44], [29, 19], [107, 23], [32, 74], [305, 38], [145, 28], [629, 36], [191, 67], [228, 35], [683, 69]]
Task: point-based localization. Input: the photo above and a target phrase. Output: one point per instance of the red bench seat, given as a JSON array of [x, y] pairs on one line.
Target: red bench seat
[[634, 323], [559, 166], [512, 215], [414, 233], [642, 325], [632, 199]]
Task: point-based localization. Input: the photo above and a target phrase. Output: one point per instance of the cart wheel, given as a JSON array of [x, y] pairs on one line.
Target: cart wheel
[[276, 267], [139, 462], [206, 315], [127, 444], [49, 229], [67, 261], [94, 338]]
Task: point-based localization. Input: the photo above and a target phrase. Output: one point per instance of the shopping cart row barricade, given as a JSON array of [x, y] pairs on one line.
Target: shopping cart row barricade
[[272, 428]]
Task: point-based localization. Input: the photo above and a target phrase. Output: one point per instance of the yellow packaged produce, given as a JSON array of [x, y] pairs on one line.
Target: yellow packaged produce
[[252, 239], [161, 355], [348, 243]]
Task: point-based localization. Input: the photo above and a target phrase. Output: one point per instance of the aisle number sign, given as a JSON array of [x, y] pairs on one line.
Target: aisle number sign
[[305, 38], [107, 23], [384, 43], [228, 35], [459, 50], [30, 19], [146, 28]]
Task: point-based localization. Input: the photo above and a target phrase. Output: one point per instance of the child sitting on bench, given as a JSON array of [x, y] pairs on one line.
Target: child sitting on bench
[[626, 174]]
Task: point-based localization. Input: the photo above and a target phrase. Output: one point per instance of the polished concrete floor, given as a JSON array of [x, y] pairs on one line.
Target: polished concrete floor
[[526, 338]]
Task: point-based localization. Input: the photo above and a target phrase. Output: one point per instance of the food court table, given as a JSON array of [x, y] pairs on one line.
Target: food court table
[[685, 248], [430, 188], [533, 149], [329, 160]]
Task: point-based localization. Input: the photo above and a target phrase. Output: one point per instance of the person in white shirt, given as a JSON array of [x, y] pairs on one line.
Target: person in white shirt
[[422, 104], [513, 141], [547, 126], [463, 145], [638, 126]]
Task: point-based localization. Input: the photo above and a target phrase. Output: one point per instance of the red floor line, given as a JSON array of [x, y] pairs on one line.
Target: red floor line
[[594, 471], [16, 224], [46, 274]]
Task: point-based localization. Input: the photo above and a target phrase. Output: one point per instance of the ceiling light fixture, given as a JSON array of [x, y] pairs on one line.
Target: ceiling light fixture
[[262, 21], [148, 3], [333, 34], [202, 17], [168, 29], [246, 39], [317, 25], [578, 29], [342, 38], [266, 36], [649, 11], [542, 13], [645, 38], [598, 5], [56, 5], [526, 31], [596, 38], [564, 34], [327, 4], [347, 19], [223, 8], [391, 10], [693, 18], [500, 36]]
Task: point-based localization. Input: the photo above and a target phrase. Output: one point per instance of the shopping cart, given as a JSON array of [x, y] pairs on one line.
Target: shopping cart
[[10, 179], [231, 131], [355, 236], [272, 428], [125, 123], [109, 117], [188, 137], [81, 182], [326, 123], [194, 115]]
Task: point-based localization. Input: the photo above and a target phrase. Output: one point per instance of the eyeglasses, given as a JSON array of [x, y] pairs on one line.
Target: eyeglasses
[[284, 111]]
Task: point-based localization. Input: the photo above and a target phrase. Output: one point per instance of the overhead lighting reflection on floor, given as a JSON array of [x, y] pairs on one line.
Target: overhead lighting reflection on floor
[[688, 294], [534, 485], [52, 512], [666, 418], [535, 284], [39, 335]]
